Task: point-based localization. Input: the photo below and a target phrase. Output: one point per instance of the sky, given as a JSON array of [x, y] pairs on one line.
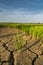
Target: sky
[[23, 11]]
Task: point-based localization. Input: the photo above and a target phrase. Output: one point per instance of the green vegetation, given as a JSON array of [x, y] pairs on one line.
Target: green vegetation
[[35, 30], [20, 42], [18, 45]]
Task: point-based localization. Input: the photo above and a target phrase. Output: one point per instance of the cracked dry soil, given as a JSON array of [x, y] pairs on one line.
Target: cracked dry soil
[[30, 54]]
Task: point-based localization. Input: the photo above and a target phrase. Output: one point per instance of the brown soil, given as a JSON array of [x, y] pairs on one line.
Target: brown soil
[[31, 52]]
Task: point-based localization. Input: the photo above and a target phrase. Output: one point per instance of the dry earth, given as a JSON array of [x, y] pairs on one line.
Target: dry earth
[[31, 52]]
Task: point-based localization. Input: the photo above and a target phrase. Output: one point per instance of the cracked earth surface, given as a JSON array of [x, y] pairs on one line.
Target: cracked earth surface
[[31, 52]]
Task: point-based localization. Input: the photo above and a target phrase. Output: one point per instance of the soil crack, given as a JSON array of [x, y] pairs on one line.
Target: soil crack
[[33, 61], [11, 58]]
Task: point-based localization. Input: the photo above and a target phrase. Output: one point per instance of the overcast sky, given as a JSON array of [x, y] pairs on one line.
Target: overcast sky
[[27, 11]]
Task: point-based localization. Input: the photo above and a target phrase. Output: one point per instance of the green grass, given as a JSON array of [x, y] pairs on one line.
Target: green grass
[[20, 42], [35, 30]]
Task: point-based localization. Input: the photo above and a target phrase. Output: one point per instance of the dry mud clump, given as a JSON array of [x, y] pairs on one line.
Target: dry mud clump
[[17, 48]]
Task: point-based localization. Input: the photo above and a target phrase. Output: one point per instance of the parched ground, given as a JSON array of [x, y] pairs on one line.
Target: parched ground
[[31, 52]]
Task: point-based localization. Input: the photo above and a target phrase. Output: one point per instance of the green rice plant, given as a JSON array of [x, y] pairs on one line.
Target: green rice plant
[[36, 31], [20, 42]]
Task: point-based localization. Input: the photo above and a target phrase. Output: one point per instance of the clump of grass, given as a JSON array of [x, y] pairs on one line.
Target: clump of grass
[[18, 45], [20, 42]]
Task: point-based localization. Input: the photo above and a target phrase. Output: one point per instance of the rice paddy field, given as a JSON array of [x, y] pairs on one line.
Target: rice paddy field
[[21, 44], [35, 30]]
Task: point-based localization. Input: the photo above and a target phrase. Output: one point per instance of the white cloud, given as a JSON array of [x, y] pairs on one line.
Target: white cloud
[[20, 16]]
